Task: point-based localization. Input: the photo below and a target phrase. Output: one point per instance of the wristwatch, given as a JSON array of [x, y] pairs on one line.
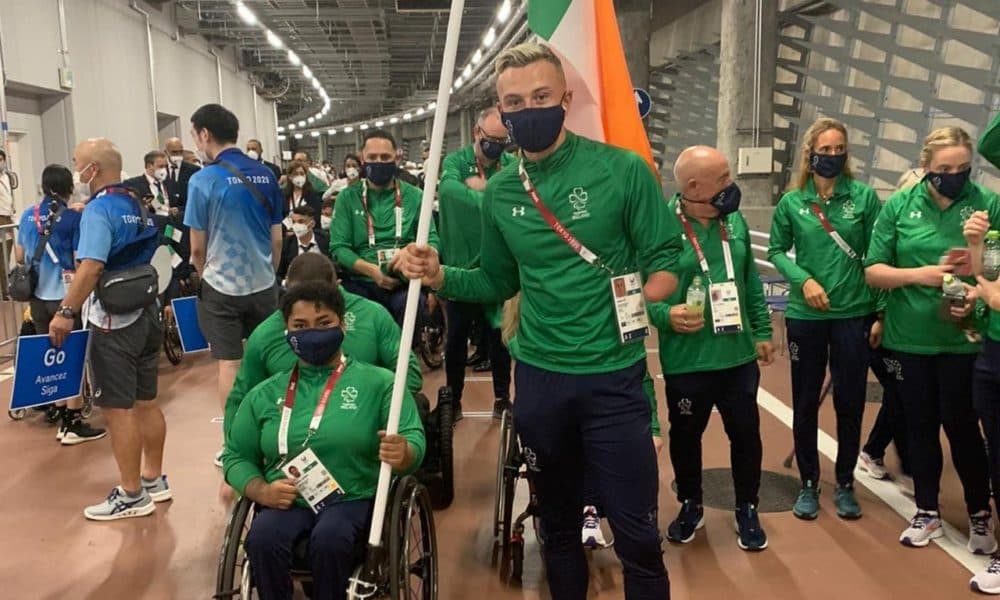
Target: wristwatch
[[66, 312]]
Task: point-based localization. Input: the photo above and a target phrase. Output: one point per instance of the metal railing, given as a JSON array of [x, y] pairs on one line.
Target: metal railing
[[10, 311]]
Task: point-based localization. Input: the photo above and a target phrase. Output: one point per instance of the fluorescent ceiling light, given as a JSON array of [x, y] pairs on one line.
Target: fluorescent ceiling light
[[307, 71], [314, 134], [478, 56], [394, 120], [311, 120], [246, 14], [504, 13], [281, 138], [302, 123], [491, 36], [298, 136], [459, 82], [379, 123], [467, 71], [294, 58], [348, 129], [316, 83], [281, 129], [274, 40], [291, 127], [363, 126], [420, 111], [332, 132], [407, 117], [432, 106]]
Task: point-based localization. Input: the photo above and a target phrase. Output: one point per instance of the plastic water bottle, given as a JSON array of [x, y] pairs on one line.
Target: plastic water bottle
[[991, 256], [696, 296], [952, 287]]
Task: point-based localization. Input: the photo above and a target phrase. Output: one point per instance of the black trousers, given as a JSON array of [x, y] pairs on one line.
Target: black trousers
[[598, 424], [843, 343], [937, 392], [890, 424], [690, 398], [986, 398], [461, 317]]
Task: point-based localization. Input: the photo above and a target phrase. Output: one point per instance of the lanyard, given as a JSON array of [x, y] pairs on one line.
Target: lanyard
[[368, 213], [38, 219], [286, 410], [727, 254], [833, 232], [560, 229]]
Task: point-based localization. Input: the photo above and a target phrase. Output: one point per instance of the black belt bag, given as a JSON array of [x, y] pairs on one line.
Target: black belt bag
[[128, 290]]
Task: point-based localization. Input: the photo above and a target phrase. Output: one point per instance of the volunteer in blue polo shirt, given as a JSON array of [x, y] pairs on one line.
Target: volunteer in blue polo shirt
[[54, 263], [234, 210], [117, 235]]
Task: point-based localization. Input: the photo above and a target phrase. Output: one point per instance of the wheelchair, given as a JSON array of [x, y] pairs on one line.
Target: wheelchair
[[172, 346], [508, 531], [406, 567]]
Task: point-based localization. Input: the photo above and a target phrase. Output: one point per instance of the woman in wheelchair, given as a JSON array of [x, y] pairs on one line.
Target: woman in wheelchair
[[325, 418]]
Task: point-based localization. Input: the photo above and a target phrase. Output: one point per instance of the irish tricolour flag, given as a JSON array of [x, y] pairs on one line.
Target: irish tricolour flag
[[584, 34]]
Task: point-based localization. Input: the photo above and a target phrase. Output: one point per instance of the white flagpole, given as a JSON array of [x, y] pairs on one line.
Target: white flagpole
[[431, 168]]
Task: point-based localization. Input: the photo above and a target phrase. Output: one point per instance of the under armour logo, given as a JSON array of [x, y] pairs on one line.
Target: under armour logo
[[530, 459], [579, 199], [803, 212], [793, 351], [684, 405], [517, 211], [916, 214]]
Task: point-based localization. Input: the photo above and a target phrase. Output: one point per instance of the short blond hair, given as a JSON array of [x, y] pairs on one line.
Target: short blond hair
[[511, 319], [526, 54], [945, 137]]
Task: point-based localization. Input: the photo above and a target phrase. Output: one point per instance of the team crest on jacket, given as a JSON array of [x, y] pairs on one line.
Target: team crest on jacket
[[967, 212], [848, 209], [578, 198], [349, 319], [349, 397]]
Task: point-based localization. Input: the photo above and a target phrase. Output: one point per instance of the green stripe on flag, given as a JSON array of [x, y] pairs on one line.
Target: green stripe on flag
[[544, 16]]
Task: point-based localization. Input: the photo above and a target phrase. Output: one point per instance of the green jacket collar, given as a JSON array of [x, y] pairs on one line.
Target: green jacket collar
[[557, 159], [840, 189]]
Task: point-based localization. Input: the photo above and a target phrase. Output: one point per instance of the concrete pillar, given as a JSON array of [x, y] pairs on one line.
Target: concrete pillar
[[465, 132], [635, 19], [736, 97]]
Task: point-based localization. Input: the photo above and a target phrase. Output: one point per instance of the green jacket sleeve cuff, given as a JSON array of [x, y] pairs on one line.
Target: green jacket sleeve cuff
[[240, 473], [659, 315]]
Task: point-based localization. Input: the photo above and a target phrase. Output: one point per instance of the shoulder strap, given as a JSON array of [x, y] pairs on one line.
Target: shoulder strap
[[250, 186], [46, 234]]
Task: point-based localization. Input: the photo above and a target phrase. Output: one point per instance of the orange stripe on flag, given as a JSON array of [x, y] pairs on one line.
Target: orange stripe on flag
[[620, 114]]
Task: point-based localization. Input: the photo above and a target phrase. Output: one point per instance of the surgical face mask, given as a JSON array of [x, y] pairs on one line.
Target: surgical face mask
[[352, 172], [380, 174], [299, 180], [535, 129], [491, 149], [324, 221], [160, 174], [253, 154], [176, 160], [316, 346], [300, 229], [949, 185], [828, 165], [728, 200], [78, 175]]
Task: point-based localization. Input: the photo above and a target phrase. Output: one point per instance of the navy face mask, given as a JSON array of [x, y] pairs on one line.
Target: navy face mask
[[492, 149], [535, 129], [316, 346], [828, 165], [728, 200], [949, 185], [380, 173]]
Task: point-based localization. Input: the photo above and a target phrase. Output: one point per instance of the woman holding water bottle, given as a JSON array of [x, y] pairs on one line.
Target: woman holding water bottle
[[916, 248], [828, 219], [713, 330]]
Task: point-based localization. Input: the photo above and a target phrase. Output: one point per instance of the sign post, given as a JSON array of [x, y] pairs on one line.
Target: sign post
[[44, 374]]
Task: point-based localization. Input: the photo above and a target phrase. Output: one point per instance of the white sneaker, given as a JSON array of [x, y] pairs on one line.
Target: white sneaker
[[874, 466], [592, 536], [987, 581], [925, 526], [981, 538], [218, 457]]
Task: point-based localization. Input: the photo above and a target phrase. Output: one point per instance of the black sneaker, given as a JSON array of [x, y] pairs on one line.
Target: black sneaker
[[79, 431], [54, 414], [688, 521], [483, 366], [751, 535], [500, 405]]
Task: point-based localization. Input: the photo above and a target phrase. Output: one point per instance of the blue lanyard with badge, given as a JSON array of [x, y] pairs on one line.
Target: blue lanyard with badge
[[313, 480], [626, 290], [50, 222], [385, 255], [727, 315]]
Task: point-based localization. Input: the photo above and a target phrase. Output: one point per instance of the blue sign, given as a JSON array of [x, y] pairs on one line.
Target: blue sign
[[186, 313], [44, 374], [643, 101]]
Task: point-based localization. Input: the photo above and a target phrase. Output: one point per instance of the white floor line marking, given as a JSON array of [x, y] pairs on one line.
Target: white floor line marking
[[953, 542], [479, 378]]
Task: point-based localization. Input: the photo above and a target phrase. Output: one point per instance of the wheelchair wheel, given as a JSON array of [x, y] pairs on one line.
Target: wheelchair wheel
[[233, 576], [17, 414], [446, 452], [413, 568], [430, 344], [172, 340], [505, 427], [512, 469], [88, 399]]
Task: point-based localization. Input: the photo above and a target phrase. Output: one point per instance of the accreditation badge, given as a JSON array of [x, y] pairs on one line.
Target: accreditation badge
[[727, 315], [385, 256], [630, 307], [314, 482]]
